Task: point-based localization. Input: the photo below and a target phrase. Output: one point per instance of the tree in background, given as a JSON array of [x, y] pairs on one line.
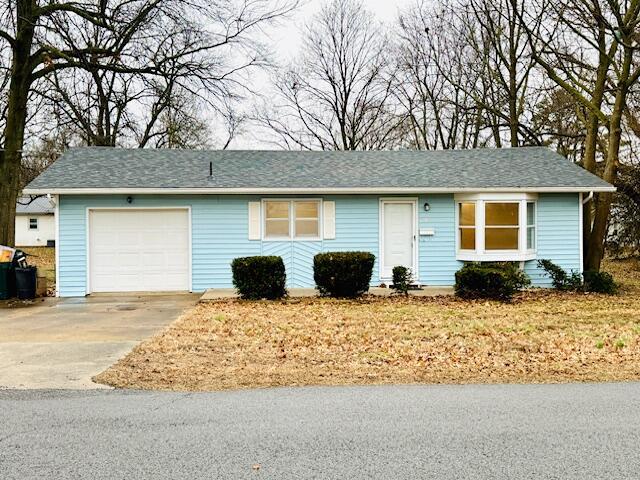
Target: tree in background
[[623, 236], [336, 94], [589, 49], [126, 38], [439, 110]]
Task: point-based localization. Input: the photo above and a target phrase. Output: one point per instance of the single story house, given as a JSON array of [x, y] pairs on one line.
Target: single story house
[[35, 224], [173, 220]]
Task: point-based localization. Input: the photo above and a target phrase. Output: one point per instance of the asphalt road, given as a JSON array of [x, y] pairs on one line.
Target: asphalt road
[[457, 432]]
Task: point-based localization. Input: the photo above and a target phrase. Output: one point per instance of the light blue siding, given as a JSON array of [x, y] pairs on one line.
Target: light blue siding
[[558, 229], [220, 233], [72, 247], [357, 226], [437, 253]]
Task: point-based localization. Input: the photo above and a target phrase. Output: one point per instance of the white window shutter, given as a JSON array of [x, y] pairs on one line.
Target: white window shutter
[[329, 220], [254, 220]]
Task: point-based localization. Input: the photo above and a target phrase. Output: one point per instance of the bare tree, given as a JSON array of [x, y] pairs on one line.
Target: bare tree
[[589, 48], [123, 37], [493, 31], [466, 76], [334, 96], [561, 122], [179, 125], [440, 113]]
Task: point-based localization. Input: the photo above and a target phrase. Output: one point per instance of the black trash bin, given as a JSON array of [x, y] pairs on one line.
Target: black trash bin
[[26, 278], [7, 281]]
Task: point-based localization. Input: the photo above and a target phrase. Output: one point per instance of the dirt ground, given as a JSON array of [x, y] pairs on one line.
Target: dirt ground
[[541, 337]]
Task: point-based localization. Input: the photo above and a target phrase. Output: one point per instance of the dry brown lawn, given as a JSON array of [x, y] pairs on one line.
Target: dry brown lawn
[[541, 337]]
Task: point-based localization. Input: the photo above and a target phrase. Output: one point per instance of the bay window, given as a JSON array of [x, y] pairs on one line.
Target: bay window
[[291, 219], [496, 227]]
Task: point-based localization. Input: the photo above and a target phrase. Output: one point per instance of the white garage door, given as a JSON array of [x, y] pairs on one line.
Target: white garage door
[[138, 250]]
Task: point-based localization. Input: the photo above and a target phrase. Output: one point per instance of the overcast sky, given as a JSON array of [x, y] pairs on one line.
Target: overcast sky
[[287, 35], [285, 41]]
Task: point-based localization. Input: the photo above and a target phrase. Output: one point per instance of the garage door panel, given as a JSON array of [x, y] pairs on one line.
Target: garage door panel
[[156, 262], [139, 250]]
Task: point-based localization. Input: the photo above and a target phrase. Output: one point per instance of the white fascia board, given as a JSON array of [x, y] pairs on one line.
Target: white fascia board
[[295, 191]]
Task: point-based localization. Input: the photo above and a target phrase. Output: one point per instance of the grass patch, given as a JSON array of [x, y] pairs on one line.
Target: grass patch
[[541, 337]]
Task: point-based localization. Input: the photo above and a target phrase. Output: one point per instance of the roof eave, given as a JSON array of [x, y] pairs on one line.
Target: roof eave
[[315, 190]]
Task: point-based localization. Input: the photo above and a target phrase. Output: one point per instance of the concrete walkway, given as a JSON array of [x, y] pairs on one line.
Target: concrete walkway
[[214, 294], [62, 343]]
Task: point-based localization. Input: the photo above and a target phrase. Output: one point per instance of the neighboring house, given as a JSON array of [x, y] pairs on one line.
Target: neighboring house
[[171, 220], [35, 223]]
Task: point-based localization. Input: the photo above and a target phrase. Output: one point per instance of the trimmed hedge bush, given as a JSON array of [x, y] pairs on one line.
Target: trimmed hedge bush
[[343, 274], [497, 281], [401, 279], [560, 279], [259, 277], [599, 282]]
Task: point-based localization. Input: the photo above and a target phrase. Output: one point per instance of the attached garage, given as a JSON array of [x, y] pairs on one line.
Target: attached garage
[[142, 250]]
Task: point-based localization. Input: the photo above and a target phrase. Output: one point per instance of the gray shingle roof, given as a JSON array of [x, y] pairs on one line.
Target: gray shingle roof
[[518, 168], [40, 205]]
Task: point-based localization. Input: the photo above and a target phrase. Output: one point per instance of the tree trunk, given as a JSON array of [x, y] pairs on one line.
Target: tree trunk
[[589, 164], [601, 215], [19, 85], [513, 84]]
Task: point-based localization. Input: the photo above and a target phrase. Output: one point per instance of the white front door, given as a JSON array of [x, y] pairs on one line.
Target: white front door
[[139, 250], [398, 235]]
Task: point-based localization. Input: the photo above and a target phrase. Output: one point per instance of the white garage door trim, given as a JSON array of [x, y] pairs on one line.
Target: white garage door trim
[[88, 237]]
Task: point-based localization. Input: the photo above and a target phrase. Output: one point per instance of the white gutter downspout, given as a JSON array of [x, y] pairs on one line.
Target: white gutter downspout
[[589, 198]]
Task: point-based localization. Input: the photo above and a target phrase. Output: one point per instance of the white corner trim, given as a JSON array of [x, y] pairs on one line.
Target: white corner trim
[[581, 205], [56, 217]]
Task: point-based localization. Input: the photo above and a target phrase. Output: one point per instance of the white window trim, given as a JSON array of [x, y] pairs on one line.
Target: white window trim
[[480, 254], [292, 220], [534, 225], [37, 223]]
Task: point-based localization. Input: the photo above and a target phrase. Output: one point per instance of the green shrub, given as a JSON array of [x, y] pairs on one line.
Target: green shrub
[[498, 281], [560, 279], [343, 274], [259, 277], [401, 279], [599, 282]]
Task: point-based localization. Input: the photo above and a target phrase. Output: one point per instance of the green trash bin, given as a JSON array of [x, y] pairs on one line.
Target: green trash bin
[[26, 279], [7, 280]]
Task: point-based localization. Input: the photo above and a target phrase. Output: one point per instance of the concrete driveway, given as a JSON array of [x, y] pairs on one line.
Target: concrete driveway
[[62, 343]]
